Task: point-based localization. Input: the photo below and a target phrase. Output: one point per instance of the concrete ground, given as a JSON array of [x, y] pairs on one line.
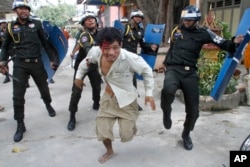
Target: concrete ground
[[48, 143]]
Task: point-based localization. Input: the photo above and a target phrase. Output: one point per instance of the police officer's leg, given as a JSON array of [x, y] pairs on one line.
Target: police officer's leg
[[190, 90], [73, 105], [170, 86], [19, 90], [40, 77], [95, 81]]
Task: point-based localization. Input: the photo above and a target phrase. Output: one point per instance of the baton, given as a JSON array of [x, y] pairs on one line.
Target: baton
[[8, 74]]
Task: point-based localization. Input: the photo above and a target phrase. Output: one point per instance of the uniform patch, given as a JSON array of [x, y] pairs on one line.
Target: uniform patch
[[32, 25], [16, 29], [84, 39]]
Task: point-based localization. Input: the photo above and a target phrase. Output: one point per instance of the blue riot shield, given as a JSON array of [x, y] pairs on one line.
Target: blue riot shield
[[59, 45], [228, 69], [153, 35]]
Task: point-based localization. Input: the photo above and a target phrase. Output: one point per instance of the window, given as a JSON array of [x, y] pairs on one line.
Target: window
[[237, 2], [213, 4], [228, 2], [219, 4]]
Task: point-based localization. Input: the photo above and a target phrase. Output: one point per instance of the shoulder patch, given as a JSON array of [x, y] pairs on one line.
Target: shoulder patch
[[84, 39]]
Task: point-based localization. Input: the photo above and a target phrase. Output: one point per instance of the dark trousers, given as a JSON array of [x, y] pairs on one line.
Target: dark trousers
[[22, 71], [95, 81], [187, 81]]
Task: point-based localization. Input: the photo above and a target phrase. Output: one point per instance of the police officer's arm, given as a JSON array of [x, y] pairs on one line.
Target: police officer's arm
[[84, 66], [228, 45], [46, 45], [4, 56], [85, 41], [148, 48], [75, 49]]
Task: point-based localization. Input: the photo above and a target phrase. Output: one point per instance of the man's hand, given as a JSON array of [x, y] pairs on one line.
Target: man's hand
[[238, 39], [154, 47], [3, 68], [161, 68], [53, 65], [79, 83], [151, 100]]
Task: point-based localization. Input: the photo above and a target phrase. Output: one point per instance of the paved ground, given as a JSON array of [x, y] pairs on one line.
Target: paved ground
[[47, 141]]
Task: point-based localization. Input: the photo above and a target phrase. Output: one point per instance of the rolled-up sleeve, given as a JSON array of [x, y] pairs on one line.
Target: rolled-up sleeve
[[141, 67], [92, 56]]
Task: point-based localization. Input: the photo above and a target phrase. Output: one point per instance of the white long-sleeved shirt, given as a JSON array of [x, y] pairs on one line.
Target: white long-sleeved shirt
[[120, 75]]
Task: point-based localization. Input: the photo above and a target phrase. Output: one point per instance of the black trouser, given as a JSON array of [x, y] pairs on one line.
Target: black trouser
[[95, 81], [187, 81], [22, 70]]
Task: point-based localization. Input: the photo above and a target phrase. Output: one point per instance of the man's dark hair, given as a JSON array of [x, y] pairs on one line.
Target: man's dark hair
[[109, 35]]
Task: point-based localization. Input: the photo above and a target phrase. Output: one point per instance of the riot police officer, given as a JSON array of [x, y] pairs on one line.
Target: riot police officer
[[134, 35], [86, 41], [27, 35], [181, 71], [124, 21]]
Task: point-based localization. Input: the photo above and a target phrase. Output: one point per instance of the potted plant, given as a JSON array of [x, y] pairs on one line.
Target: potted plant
[[208, 71]]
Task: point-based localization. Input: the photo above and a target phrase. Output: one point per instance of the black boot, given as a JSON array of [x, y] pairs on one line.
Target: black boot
[[139, 108], [27, 84], [51, 110], [7, 79], [167, 122], [96, 106], [187, 141], [72, 121], [19, 132]]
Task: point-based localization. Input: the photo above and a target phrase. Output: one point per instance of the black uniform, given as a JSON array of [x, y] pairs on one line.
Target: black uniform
[[86, 41], [181, 70], [26, 40]]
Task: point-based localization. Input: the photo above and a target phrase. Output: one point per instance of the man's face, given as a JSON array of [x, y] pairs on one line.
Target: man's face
[[90, 23], [3, 26], [137, 19], [110, 52], [23, 12], [188, 23]]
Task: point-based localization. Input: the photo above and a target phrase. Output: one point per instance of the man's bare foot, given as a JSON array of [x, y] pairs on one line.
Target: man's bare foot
[[105, 157]]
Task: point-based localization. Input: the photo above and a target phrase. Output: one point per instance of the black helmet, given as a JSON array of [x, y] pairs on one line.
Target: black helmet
[[136, 12], [20, 3], [86, 15], [191, 13]]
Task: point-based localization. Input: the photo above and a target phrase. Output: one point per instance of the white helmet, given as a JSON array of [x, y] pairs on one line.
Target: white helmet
[[3, 21], [124, 20], [20, 3], [86, 15], [136, 12]]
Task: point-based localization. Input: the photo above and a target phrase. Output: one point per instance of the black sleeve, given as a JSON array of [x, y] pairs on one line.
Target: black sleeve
[[227, 45], [4, 56]]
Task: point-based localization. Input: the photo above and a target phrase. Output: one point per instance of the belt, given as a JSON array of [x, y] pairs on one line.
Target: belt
[[30, 60], [186, 68]]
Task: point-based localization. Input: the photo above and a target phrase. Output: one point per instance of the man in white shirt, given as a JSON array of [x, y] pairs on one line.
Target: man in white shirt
[[119, 102]]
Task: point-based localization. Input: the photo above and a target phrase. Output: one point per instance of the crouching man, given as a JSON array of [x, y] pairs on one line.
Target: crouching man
[[119, 101]]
